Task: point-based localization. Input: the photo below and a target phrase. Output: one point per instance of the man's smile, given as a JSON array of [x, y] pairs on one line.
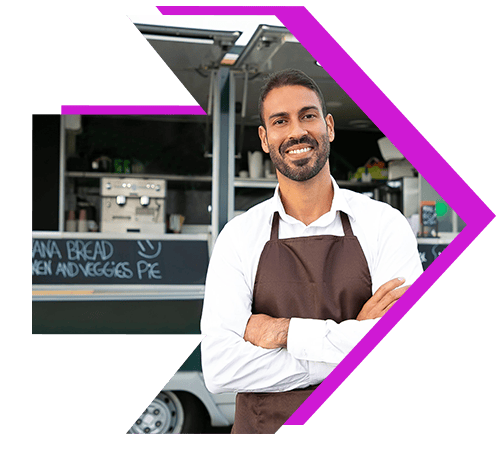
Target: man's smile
[[299, 147], [299, 150]]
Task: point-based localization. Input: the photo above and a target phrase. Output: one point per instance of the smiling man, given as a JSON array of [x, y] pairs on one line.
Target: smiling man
[[295, 282]]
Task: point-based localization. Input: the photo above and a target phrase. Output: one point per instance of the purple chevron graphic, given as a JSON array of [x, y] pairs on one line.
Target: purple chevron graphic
[[407, 140]]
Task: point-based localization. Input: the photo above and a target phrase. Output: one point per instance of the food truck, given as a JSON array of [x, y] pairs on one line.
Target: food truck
[[126, 209]]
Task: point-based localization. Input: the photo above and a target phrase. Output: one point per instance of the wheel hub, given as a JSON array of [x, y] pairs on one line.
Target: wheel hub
[[164, 415]]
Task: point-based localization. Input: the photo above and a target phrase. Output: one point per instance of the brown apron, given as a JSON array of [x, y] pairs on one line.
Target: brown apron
[[317, 277]]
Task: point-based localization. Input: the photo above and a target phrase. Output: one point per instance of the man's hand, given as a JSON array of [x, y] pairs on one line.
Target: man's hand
[[266, 331], [382, 300]]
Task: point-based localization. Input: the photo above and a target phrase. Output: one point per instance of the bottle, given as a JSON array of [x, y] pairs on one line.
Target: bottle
[[118, 165]]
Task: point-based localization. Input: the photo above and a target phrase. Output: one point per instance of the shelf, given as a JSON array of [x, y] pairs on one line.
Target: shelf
[[195, 235], [268, 183], [361, 184], [271, 183], [198, 178], [444, 238], [255, 182], [96, 292]]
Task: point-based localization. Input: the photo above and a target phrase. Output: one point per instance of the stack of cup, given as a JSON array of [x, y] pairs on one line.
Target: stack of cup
[[82, 222], [71, 221]]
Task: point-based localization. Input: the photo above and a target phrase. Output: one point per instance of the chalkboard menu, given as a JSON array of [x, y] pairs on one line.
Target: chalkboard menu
[[429, 216], [429, 252], [115, 261]]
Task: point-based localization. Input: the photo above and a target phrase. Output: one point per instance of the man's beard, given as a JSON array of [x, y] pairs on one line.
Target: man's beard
[[301, 169]]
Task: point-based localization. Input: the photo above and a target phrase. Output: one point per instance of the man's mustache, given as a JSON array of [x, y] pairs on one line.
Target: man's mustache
[[303, 140]]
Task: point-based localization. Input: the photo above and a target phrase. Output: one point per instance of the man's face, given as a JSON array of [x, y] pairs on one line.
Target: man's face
[[297, 137]]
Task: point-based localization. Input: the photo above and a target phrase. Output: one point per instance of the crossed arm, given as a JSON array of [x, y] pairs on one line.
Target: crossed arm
[[257, 353], [256, 359], [269, 332]]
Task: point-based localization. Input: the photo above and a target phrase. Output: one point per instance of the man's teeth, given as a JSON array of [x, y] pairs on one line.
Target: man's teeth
[[300, 150]]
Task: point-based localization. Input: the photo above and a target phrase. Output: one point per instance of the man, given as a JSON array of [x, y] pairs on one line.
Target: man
[[295, 282]]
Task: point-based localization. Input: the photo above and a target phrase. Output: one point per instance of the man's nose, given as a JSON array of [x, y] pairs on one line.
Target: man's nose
[[297, 130]]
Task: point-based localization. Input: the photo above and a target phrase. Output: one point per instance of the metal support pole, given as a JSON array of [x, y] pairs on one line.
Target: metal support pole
[[62, 172], [215, 157], [231, 147], [224, 148], [222, 132], [454, 221]]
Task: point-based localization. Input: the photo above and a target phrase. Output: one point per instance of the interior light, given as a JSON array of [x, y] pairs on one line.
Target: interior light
[[189, 40], [229, 59]]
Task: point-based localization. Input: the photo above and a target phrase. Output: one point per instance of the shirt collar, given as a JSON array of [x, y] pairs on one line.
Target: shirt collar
[[339, 203]]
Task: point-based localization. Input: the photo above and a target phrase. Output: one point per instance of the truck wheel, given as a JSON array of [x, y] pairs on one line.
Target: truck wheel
[[196, 418], [172, 413], [164, 415]]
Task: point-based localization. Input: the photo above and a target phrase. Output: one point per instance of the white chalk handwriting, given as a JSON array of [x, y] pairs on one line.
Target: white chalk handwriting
[[73, 258]]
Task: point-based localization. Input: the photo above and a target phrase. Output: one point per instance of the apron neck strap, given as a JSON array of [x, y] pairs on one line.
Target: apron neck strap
[[275, 227], [346, 224]]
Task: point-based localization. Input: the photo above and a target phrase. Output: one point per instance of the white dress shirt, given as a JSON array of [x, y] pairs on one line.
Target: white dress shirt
[[314, 347]]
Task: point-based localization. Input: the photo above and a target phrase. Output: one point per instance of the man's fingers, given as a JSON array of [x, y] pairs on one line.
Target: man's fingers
[[383, 299], [387, 287], [388, 307], [391, 297]]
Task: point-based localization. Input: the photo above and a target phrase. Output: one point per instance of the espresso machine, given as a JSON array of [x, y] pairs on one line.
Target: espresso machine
[[133, 205]]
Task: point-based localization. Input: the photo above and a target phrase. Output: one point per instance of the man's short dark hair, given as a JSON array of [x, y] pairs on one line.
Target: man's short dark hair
[[289, 77]]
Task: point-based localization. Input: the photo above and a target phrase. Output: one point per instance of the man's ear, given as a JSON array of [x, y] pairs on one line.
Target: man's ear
[[330, 127], [263, 139]]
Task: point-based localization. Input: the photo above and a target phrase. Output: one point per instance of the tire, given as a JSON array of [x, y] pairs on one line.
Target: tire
[[196, 418], [172, 413]]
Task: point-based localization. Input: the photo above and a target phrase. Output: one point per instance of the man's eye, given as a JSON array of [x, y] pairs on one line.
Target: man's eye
[[310, 116], [279, 122]]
